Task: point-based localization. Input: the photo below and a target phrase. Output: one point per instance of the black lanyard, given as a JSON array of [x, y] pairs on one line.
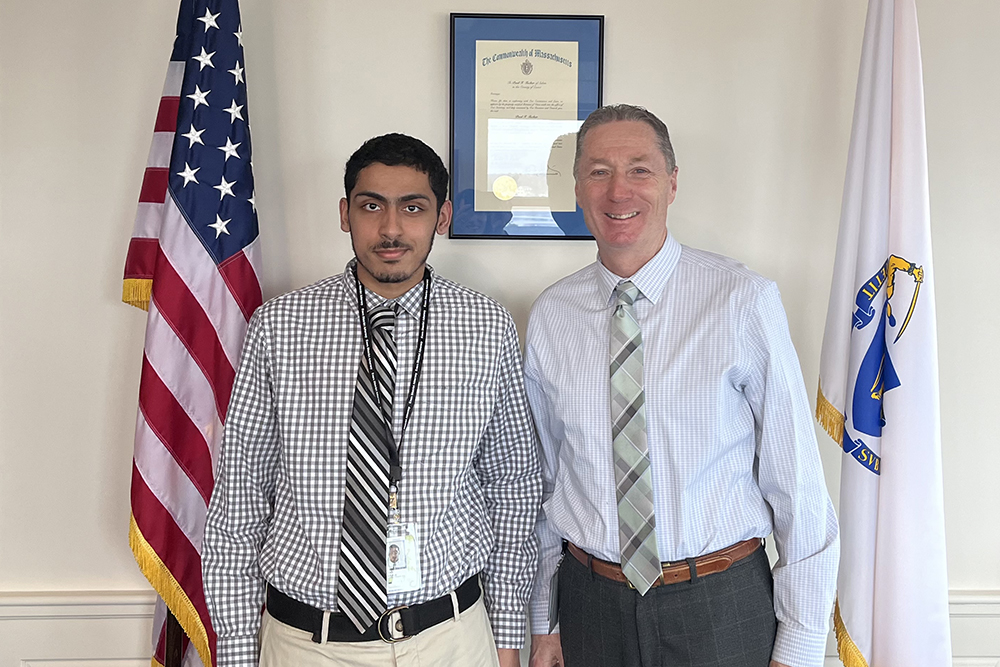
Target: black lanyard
[[395, 468]]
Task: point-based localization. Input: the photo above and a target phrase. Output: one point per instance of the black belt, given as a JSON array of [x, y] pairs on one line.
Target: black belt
[[409, 621]]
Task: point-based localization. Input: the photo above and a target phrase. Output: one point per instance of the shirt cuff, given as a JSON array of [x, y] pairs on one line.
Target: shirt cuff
[[538, 605], [508, 628], [798, 648], [539, 609], [238, 651]]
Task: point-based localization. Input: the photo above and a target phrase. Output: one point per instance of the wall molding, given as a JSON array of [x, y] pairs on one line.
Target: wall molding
[[975, 622], [104, 604], [76, 628], [981, 603], [40, 605], [87, 662]]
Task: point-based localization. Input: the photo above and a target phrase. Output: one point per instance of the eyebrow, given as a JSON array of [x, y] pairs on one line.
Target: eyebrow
[[385, 200], [640, 158]]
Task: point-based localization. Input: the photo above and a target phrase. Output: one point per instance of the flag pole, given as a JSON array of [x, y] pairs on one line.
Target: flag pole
[[174, 640]]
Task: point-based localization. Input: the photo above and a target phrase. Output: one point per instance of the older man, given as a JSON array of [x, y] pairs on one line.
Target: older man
[[676, 434]]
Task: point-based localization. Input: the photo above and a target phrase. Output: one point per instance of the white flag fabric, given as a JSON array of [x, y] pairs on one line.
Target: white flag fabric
[[878, 387]]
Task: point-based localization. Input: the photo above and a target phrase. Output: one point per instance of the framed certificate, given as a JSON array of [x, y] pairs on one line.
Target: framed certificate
[[521, 85]]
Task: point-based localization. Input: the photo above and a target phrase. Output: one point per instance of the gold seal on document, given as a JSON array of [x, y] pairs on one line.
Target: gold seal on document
[[505, 188]]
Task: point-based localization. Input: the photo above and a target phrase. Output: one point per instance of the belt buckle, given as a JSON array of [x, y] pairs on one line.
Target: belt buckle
[[386, 615]]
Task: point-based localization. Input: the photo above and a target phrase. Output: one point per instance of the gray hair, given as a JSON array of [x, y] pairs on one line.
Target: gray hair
[[626, 112]]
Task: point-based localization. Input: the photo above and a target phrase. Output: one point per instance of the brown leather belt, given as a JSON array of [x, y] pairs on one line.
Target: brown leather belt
[[676, 572]]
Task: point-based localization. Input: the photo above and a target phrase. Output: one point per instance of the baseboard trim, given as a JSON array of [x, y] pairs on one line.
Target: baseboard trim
[[61, 604], [973, 612]]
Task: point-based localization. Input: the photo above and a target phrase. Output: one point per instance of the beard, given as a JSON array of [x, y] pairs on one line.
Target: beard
[[390, 277]]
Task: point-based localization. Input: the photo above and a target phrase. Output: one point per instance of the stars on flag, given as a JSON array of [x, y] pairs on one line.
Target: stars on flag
[[199, 97], [230, 149], [225, 188], [188, 174], [220, 225], [204, 58], [234, 111], [233, 214], [237, 72], [209, 20], [194, 136]]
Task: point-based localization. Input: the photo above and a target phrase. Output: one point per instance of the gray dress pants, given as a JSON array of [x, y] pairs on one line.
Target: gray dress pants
[[724, 619]]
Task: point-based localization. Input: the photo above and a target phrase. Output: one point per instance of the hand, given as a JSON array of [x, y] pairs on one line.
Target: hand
[[509, 657], [546, 651], [775, 663]]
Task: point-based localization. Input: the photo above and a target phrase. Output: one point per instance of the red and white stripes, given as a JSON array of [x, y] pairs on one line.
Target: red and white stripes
[[198, 314]]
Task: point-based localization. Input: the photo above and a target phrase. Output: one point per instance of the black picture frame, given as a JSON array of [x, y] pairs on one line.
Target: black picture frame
[[466, 30]]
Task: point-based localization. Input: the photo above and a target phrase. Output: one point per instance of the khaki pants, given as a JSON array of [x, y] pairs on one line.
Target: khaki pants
[[463, 642]]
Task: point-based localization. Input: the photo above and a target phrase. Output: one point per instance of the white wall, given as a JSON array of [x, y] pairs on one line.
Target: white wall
[[758, 95]]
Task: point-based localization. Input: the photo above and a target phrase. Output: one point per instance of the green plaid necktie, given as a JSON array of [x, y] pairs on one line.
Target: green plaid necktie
[[636, 522]]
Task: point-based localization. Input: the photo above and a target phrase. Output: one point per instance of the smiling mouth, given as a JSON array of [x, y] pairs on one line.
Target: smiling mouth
[[623, 216]]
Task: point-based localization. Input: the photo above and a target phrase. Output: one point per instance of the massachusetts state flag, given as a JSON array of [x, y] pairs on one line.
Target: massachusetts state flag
[[878, 387], [193, 263]]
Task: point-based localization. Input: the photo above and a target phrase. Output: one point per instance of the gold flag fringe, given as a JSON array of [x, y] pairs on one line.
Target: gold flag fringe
[[849, 653], [829, 417], [173, 595], [137, 292]]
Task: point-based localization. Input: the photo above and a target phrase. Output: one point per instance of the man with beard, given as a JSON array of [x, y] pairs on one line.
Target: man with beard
[[378, 479]]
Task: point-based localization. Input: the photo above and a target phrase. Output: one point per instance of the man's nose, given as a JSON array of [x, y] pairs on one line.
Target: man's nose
[[391, 226], [618, 188]]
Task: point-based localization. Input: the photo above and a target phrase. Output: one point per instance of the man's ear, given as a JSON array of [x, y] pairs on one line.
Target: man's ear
[[673, 186], [444, 218], [345, 224]]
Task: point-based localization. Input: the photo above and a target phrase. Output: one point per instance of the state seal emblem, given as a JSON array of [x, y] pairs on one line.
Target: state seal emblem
[[526, 67], [876, 375]]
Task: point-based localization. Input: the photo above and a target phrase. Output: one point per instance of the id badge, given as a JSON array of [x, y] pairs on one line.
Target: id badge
[[402, 558]]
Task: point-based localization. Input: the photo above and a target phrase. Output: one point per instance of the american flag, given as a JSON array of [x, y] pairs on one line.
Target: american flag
[[193, 263]]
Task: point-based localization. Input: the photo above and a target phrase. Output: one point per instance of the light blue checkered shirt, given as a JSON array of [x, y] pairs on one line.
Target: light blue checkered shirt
[[731, 438]]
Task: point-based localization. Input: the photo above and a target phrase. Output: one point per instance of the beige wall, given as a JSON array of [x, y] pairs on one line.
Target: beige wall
[[758, 95]]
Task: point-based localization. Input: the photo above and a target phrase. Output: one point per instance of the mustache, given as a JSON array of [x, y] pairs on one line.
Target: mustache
[[391, 245]]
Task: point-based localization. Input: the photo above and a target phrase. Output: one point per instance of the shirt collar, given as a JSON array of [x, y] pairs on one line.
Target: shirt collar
[[409, 302], [650, 279]]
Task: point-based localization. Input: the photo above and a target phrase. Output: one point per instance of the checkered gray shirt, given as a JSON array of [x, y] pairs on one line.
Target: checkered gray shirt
[[471, 476]]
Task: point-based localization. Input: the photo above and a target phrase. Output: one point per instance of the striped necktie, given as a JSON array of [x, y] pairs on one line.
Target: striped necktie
[[361, 593], [636, 522]]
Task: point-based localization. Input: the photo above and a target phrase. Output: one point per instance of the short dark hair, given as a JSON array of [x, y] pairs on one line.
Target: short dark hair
[[399, 149], [627, 112]]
